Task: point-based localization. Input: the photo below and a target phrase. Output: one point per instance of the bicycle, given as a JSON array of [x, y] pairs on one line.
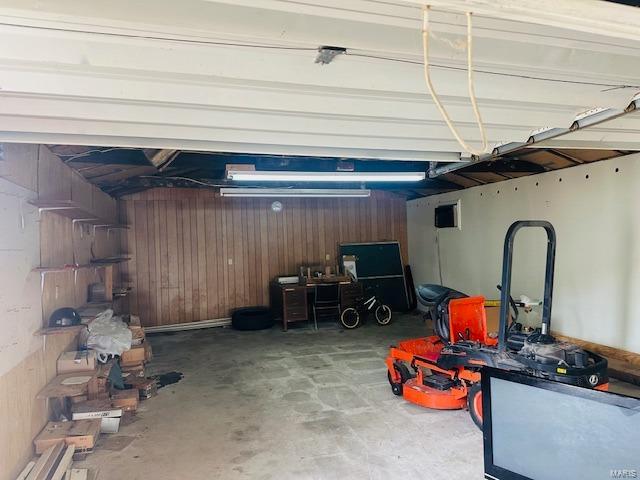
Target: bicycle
[[353, 317]]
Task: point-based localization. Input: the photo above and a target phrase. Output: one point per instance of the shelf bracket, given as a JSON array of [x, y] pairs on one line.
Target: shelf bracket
[[80, 220], [100, 225]]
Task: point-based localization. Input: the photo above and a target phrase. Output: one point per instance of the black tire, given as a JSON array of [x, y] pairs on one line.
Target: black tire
[[405, 375], [350, 318], [383, 314], [474, 402], [252, 318]]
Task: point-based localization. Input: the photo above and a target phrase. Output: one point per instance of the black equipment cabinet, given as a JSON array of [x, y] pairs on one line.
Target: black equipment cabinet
[[379, 267]]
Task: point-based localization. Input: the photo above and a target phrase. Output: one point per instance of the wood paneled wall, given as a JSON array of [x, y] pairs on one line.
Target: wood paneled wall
[[196, 255], [36, 169]]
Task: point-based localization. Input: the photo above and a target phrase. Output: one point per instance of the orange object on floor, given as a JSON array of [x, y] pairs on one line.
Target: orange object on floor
[[453, 399]]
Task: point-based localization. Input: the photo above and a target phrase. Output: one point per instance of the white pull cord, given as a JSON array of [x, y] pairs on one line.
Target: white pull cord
[[472, 93]]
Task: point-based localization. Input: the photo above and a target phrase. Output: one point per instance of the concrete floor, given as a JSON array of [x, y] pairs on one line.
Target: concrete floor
[[296, 405]]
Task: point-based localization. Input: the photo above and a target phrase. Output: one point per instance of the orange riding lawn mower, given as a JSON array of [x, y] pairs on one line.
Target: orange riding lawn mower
[[443, 371]]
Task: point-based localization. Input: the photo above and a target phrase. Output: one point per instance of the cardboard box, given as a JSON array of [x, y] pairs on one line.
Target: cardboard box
[[78, 399], [110, 425], [77, 361], [127, 400], [103, 409], [137, 334], [493, 318], [148, 354], [134, 320], [94, 409], [83, 434], [99, 388], [133, 371], [134, 356], [146, 387]]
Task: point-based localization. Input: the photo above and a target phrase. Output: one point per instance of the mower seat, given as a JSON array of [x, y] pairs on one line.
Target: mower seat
[[430, 295]]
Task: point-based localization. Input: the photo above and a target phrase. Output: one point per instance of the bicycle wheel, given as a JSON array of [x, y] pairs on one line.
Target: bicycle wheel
[[350, 318], [383, 315]]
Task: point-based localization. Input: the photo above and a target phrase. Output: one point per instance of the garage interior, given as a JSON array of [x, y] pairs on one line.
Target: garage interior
[[198, 199]]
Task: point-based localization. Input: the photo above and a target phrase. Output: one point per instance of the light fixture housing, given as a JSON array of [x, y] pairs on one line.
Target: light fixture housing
[[295, 192], [353, 177]]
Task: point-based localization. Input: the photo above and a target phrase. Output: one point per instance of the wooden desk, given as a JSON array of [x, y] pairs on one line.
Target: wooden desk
[[290, 302]]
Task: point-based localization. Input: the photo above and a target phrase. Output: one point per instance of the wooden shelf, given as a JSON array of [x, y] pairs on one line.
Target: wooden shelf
[[70, 268], [109, 260], [87, 313], [67, 208], [115, 226], [60, 330], [62, 268], [121, 291], [95, 263], [76, 212], [90, 311], [110, 226], [56, 387]]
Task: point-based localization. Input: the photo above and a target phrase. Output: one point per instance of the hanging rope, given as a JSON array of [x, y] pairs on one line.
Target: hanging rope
[[472, 93]]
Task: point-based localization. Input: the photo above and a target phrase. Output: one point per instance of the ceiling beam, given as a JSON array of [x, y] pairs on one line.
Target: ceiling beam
[[594, 17], [160, 158], [504, 165], [564, 156]]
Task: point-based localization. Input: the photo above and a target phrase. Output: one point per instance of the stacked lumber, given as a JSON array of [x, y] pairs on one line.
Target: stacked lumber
[[55, 463]]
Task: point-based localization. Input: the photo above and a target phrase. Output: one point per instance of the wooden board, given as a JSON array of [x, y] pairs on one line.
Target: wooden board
[[624, 371], [630, 358], [65, 463], [197, 256], [27, 469], [46, 462]]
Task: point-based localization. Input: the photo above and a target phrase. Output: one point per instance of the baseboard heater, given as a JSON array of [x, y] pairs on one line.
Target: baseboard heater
[[177, 327]]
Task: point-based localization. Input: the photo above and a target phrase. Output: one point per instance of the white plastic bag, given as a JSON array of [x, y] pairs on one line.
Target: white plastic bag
[[108, 335]]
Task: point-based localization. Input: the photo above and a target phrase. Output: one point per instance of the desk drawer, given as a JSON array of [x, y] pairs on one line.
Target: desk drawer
[[294, 303], [294, 314], [295, 297]]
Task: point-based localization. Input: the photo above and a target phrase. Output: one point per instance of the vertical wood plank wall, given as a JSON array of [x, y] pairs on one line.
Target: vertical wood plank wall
[[196, 255], [35, 168]]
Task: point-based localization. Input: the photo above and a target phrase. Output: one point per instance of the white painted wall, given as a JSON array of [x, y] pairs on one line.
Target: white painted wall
[[597, 221], [20, 299]]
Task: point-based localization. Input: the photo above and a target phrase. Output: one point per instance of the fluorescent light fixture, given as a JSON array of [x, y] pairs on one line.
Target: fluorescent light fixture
[[290, 176], [294, 192]]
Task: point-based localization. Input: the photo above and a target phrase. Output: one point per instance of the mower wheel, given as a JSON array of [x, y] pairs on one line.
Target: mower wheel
[[474, 402], [405, 375]]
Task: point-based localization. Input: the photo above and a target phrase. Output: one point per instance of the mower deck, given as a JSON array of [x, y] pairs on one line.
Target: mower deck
[[432, 386], [454, 398]]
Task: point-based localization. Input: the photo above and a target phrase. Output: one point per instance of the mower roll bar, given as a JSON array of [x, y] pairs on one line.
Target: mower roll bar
[[507, 264]]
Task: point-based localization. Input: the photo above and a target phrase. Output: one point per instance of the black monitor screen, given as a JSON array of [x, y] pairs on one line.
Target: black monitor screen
[[543, 430]]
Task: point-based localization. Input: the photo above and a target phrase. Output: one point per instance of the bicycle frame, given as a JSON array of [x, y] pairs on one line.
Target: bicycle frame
[[370, 303]]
